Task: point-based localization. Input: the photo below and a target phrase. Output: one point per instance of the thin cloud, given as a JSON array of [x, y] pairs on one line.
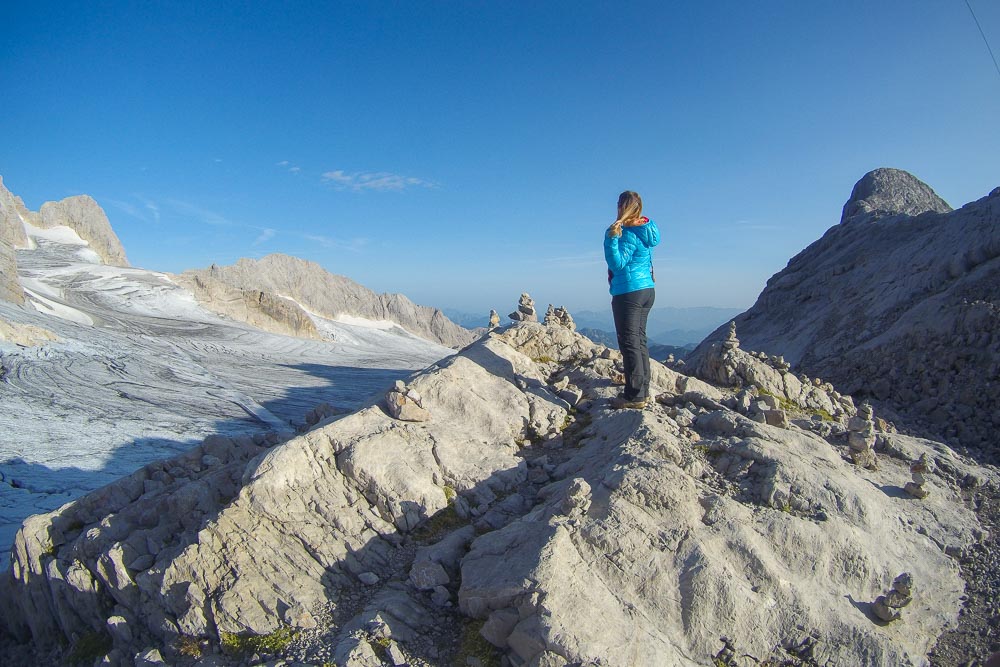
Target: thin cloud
[[264, 236], [283, 163], [295, 170], [146, 210], [202, 214], [288, 166], [380, 181], [150, 206], [354, 245]]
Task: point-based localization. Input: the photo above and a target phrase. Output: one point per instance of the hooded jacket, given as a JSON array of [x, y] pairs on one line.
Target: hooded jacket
[[630, 257]]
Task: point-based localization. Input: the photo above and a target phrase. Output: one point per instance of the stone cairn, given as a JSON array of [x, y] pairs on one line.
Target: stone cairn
[[861, 437], [406, 404], [559, 317], [525, 310], [887, 607], [565, 319], [494, 319], [918, 469], [731, 342]]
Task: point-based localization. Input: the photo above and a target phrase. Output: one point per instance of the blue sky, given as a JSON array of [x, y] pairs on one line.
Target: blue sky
[[464, 152]]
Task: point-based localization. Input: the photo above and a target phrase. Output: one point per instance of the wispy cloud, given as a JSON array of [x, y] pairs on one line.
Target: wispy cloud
[[202, 214], [382, 181], [146, 209], [354, 245], [288, 166], [264, 236]]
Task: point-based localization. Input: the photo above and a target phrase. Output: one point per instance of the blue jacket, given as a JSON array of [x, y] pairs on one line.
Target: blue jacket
[[630, 257]]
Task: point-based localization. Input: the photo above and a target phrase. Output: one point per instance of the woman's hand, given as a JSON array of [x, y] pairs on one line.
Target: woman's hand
[[615, 230]]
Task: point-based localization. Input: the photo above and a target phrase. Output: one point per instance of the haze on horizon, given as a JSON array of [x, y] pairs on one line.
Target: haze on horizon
[[462, 153]]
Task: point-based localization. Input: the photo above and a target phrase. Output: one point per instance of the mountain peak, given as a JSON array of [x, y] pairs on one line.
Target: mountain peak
[[886, 191]]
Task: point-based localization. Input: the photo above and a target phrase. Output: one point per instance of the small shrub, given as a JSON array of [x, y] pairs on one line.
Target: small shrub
[[89, 647], [188, 646], [449, 494], [544, 359], [443, 521], [473, 645], [246, 644], [823, 414]]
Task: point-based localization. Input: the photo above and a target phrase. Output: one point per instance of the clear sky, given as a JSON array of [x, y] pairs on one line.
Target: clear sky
[[464, 152]]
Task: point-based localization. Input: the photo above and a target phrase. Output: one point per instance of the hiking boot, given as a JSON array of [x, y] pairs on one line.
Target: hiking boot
[[620, 402]]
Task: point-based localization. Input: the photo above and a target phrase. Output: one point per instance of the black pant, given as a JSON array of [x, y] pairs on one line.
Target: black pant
[[631, 310]]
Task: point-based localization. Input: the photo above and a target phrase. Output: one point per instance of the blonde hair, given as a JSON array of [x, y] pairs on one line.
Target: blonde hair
[[629, 207]]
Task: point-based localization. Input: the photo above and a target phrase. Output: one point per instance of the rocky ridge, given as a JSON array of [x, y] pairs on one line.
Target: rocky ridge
[[80, 213], [279, 276], [898, 304], [12, 237], [726, 520]]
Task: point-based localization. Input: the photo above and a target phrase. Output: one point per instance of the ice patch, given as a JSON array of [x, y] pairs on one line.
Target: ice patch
[[49, 307], [57, 234], [384, 325], [89, 256]]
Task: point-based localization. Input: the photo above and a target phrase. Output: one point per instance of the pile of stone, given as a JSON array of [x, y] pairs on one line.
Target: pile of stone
[[525, 310], [725, 362], [918, 470], [888, 607], [406, 404], [559, 317], [861, 437]]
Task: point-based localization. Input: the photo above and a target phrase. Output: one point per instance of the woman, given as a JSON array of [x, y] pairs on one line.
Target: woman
[[628, 249]]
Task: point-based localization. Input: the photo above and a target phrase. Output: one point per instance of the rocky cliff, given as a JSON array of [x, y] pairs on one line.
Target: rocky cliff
[[518, 515], [898, 302], [13, 213], [329, 295], [84, 216], [81, 214]]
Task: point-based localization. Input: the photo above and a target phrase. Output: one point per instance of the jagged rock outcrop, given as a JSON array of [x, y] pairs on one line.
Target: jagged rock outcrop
[[13, 213], [576, 534], [263, 310], [887, 192], [330, 295], [899, 304], [81, 213], [85, 216]]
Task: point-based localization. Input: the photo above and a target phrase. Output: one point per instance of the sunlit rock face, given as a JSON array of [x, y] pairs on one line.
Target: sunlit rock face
[[331, 296], [574, 533], [898, 303]]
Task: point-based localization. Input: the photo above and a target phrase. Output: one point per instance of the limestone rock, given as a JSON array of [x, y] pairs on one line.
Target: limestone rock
[[897, 303], [888, 606], [525, 310], [264, 310], [13, 215], [888, 192], [84, 216], [406, 404], [641, 541], [282, 277]]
